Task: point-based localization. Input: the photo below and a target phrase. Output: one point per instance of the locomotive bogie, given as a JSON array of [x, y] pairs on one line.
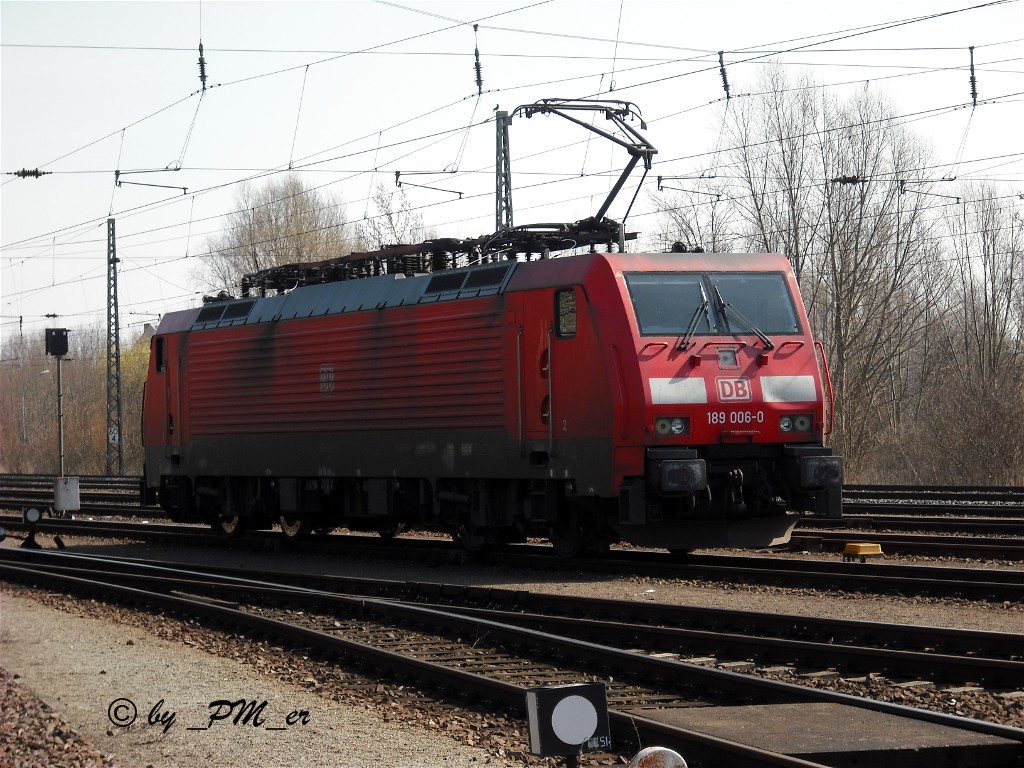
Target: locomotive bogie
[[672, 400]]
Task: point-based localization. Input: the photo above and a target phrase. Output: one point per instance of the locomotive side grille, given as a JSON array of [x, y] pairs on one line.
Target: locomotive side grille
[[352, 373]]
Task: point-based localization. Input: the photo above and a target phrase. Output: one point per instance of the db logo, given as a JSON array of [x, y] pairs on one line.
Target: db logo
[[733, 389]]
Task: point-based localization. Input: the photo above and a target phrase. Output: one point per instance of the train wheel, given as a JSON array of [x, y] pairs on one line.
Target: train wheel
[[390, 530], [230, 526], [567, 539], [468, 539], [570, 538], [293, 528]]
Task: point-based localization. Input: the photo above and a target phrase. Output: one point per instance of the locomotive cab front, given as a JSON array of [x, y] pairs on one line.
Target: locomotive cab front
[[735, 416]]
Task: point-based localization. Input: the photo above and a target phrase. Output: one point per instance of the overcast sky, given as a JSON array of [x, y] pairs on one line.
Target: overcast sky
[[347, 93]]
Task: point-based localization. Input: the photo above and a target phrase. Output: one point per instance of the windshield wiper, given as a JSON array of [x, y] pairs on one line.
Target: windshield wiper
[[691, 329], [723, 304]]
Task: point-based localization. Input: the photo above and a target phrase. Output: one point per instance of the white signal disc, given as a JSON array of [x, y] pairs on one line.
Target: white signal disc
[[574, 720]]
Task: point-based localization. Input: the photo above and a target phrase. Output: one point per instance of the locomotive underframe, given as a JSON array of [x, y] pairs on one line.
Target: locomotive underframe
[[487, 489], [738, 496]]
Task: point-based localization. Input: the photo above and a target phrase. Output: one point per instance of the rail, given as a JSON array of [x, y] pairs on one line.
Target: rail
[[653, 698]]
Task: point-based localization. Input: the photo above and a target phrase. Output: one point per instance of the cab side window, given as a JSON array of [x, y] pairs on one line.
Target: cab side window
[[159, 351], [565, 313]]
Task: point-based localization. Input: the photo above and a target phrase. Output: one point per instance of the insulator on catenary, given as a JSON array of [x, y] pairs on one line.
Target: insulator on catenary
[[974, 81], [202, 66], [25, 173], [479, 76], [721, 69]]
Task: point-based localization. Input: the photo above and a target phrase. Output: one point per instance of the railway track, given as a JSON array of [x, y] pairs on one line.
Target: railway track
[[979, 494], [983, 523], [946, 545], [855, 647], [853, 492], [494, 645], [990, 584], [874, 500], [99, 494]]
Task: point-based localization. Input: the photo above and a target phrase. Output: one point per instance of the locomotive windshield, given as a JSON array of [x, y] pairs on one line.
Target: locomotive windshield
[[667, 302], [673, 304]]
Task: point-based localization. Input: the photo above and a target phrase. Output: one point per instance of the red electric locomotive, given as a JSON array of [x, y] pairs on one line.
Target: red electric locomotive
[[672, 400], [668, 399]]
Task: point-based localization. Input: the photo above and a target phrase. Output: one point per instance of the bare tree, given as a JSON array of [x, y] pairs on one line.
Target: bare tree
[[134, 370], [699, 219], [393, 222], [973, 431], [872, 306], [988, 263], [776, 138], [820, 183], [818, 179], [28, 404], [282, 222]]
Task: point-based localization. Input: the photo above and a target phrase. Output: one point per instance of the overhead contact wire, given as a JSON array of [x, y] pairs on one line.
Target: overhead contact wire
[[298, 114]]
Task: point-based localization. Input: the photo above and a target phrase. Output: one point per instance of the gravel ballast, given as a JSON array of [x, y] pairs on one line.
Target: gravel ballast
[[80, 656], [92, 671]]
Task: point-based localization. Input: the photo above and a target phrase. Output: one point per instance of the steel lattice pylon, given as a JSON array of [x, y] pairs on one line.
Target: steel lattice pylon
[[114, 453], [503, 176]]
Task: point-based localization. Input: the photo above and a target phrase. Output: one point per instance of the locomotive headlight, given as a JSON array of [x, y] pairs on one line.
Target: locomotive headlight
[[678, 425], [800, 422]]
